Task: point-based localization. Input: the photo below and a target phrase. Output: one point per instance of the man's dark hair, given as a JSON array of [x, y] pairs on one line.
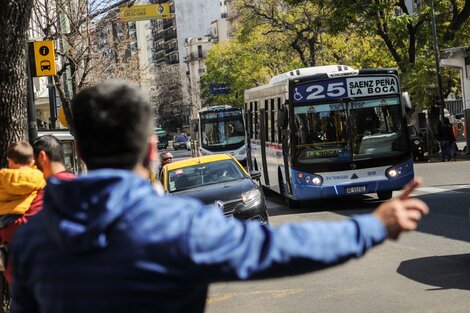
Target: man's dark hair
[[51, 146], [20, 152], [113, 121]]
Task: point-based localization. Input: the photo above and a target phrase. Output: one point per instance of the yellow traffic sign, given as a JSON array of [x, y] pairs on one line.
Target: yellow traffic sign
[[145, 12], [44, 58]]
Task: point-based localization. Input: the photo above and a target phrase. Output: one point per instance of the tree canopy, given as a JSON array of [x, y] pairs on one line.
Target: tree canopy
[[359, 33]]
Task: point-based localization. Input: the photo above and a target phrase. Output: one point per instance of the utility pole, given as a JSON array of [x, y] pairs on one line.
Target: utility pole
[[32, 123], [436, 59]]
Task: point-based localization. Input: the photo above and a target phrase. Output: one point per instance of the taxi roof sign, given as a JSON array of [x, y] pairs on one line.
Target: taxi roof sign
[[42, 58], [145, 12]]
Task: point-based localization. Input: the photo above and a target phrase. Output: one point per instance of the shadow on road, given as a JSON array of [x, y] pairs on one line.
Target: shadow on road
[[449, 211], [442, 272]]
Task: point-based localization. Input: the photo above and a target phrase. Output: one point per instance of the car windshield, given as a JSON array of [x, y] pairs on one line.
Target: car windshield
[[204, 174]]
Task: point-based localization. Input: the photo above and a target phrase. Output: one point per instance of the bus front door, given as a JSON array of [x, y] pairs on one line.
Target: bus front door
[[262, 127]]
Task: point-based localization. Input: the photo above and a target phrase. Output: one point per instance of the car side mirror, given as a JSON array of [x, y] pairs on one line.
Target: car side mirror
[[255, 175], [405, 99], [282, 118]]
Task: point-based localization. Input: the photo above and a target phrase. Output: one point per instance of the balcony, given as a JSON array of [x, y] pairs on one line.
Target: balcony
[[159, 36], [169, 23], [172, 59], [194, 56], [170, 50], [169, 34]]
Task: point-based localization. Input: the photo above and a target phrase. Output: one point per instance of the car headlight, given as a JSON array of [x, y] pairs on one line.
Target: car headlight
[[251, 196]]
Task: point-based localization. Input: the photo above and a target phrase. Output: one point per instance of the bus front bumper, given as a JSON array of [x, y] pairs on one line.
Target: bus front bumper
[[309, 192]]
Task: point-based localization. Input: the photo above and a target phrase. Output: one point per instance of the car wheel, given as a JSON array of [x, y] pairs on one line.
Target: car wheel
[[265, 217], [384, 195]]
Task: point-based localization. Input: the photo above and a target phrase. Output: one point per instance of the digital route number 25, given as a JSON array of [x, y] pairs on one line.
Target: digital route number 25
[[333, 90]]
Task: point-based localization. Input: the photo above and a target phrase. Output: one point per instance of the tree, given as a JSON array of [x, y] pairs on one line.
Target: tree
[[406, 34], [245, 62], [72, 24], [168, 98], [14, 22], [276, 37]]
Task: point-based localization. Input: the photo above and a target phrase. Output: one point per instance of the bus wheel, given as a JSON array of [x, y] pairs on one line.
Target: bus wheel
[[384, 195], [291, 203]]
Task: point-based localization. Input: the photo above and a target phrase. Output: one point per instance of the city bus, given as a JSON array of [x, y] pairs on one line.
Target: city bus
[[220, 129], [329, 131], [162, 138]]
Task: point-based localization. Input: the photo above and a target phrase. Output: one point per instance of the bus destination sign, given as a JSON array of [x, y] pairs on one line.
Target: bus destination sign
[[345, 88]]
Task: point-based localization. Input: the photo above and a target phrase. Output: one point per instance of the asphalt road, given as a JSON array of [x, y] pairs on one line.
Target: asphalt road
[[424, 271]]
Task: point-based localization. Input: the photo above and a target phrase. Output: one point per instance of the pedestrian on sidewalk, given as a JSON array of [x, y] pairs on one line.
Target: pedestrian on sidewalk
[[106, 242], [48, 155], [446, 140], [20, 186]]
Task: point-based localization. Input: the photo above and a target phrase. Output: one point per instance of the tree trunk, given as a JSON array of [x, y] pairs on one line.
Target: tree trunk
[[14, 22]]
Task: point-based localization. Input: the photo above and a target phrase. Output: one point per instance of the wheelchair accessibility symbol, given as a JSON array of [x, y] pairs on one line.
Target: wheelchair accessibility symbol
[[297, 95]]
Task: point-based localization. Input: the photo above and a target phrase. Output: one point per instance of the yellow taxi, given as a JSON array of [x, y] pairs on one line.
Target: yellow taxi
[[217, 179]]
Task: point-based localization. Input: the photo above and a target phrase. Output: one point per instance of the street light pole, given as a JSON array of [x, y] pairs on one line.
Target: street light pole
[[436, 59]]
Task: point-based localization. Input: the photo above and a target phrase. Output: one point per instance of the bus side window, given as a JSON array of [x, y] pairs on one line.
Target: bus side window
[[256, 123], [267, 119], [273, 122], [248, 119], [277, 130]]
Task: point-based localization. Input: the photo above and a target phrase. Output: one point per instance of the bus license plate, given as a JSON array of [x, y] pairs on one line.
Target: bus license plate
[[356, 189]]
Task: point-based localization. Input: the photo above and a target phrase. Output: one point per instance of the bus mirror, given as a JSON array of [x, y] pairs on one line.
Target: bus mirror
[[282, 118], [195, 129], [405, 98]]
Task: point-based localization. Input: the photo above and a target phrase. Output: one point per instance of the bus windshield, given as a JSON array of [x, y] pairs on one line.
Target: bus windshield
[[349, 131], [222, 129]]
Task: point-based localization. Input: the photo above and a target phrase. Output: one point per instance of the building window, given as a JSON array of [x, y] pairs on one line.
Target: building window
[[199, 51]]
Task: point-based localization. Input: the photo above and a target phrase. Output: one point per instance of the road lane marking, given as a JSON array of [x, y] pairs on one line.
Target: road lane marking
[[276, 293]]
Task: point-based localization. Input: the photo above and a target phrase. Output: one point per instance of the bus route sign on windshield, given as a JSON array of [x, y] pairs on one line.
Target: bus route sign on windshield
[[344, 88]]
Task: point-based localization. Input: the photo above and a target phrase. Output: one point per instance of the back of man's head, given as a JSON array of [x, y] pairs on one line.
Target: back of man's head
[[20, 152], [113, 121], [51, 146]]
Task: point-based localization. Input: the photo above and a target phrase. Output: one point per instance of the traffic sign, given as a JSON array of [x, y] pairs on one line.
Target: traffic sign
[[218, 89], [145, 12], [42, 58]]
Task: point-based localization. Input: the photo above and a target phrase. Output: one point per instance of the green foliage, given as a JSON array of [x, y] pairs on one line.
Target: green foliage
[[242, 65], [276, 36]]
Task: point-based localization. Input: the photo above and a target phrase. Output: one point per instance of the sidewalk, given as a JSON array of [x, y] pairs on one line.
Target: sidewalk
[[461, 156]]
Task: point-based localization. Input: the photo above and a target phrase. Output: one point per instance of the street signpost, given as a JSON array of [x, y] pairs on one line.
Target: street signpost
[[145, 12], [218, 89], [42, 58]]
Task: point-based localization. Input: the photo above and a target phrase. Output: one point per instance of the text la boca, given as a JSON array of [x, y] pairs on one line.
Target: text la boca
[[372, 86]]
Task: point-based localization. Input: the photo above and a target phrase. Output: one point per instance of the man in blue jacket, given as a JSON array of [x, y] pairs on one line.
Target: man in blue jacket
[[105, 242]]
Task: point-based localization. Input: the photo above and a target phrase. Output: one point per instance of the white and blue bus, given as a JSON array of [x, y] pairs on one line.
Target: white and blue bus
[[329, 131], [220, 129]]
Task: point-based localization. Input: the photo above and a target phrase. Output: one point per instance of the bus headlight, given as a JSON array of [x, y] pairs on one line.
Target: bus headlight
[[251, 196], [242, 151], [394, 172], [313, 180]]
